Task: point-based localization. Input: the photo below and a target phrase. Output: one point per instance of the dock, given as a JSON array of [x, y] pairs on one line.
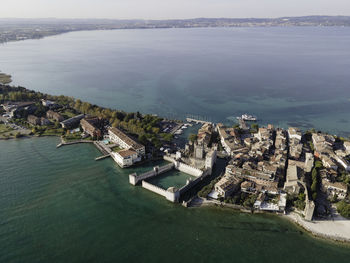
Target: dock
[[63, 143], [102, 157], [197, 121]]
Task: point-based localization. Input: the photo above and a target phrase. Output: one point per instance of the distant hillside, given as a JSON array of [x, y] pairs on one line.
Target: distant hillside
[[12, 29]]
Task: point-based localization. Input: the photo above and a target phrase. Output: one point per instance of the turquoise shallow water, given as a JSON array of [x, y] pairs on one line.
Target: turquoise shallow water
[[59, 205], [287, 76], [172, 178]]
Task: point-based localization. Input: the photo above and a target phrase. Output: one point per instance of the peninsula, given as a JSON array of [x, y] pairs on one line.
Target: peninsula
[[22, 29], [303, 175]]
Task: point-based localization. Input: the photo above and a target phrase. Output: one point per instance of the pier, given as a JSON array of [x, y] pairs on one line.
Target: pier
[[104, 149], [63, 143], [197, 121]]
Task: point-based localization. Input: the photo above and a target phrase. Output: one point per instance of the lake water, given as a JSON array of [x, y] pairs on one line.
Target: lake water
[[59, 205], [287, 76]]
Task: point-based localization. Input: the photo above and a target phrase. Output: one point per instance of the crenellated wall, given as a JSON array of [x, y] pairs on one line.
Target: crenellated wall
[[184, 167]]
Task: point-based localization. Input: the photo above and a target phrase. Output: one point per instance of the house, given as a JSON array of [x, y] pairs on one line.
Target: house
[[328, 162], [34, 120], [248, 187], [294, 133], [125, 158], [92, 126], [124, 141], [50, 104], [227, 185], [54, 116], [336, 188]]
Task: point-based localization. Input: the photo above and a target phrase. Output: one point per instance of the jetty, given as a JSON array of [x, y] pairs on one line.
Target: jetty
[[197, 121], [106, 151], [63, 143]]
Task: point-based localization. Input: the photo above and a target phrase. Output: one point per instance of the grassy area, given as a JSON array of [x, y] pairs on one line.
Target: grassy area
[[67, 114], [73, 137], [5, 79], [116, 149], [5, 130], [53, 132]]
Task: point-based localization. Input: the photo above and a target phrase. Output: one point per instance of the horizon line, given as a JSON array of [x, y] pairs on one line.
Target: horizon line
[[164, 19]]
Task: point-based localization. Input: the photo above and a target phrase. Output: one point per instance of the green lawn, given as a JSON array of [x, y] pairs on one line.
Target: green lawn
[[116, 149], [67, 114], [4, 129], [50, 132], [73, 137]]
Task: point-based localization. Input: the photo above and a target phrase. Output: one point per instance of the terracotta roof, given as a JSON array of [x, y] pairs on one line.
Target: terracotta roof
[[126, 153]]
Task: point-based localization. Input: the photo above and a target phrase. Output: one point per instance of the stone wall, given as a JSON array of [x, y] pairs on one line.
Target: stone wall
[[134, 178], [169, 195], [188, 169], [185, 168]]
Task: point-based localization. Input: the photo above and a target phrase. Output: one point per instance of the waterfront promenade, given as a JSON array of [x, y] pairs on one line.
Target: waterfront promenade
[[337, 229]]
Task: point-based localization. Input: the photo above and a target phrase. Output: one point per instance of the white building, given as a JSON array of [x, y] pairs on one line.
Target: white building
[[125, 158], [124, 141], [294, 133]]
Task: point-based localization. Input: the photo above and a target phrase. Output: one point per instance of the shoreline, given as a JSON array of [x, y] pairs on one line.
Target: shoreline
[[340, 226]]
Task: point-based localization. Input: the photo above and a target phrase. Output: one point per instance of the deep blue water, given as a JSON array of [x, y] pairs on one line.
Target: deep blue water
[[287, 76]]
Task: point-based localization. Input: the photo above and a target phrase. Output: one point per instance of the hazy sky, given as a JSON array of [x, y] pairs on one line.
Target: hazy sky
[[162, 9]]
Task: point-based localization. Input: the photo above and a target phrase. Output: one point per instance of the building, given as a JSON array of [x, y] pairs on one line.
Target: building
[[328, 162], [44, 121], [54, 116], [72, 122], [92, 126], [294, 133], [34, 120], [264, 182], [336, 188], [124, 141], [347, 146], [50, 104], [343, 162], [291, 185], [204, 134], [227, 185], [210, 159], [125, 158], [198, 150], [16, 109], [248, 187]]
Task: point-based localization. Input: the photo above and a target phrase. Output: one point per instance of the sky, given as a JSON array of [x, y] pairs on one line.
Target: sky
[[169, 9]]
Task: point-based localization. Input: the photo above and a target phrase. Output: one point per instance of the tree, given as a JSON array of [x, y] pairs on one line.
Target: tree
[[344, 209], [143, 139], [255, 127], [167, 137], [192, 137]]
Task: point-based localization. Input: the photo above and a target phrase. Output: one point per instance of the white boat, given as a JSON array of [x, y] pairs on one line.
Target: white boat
[[247, 117]]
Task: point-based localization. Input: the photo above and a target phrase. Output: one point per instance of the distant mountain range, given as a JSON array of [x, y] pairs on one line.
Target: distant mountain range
[[12, 29]]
